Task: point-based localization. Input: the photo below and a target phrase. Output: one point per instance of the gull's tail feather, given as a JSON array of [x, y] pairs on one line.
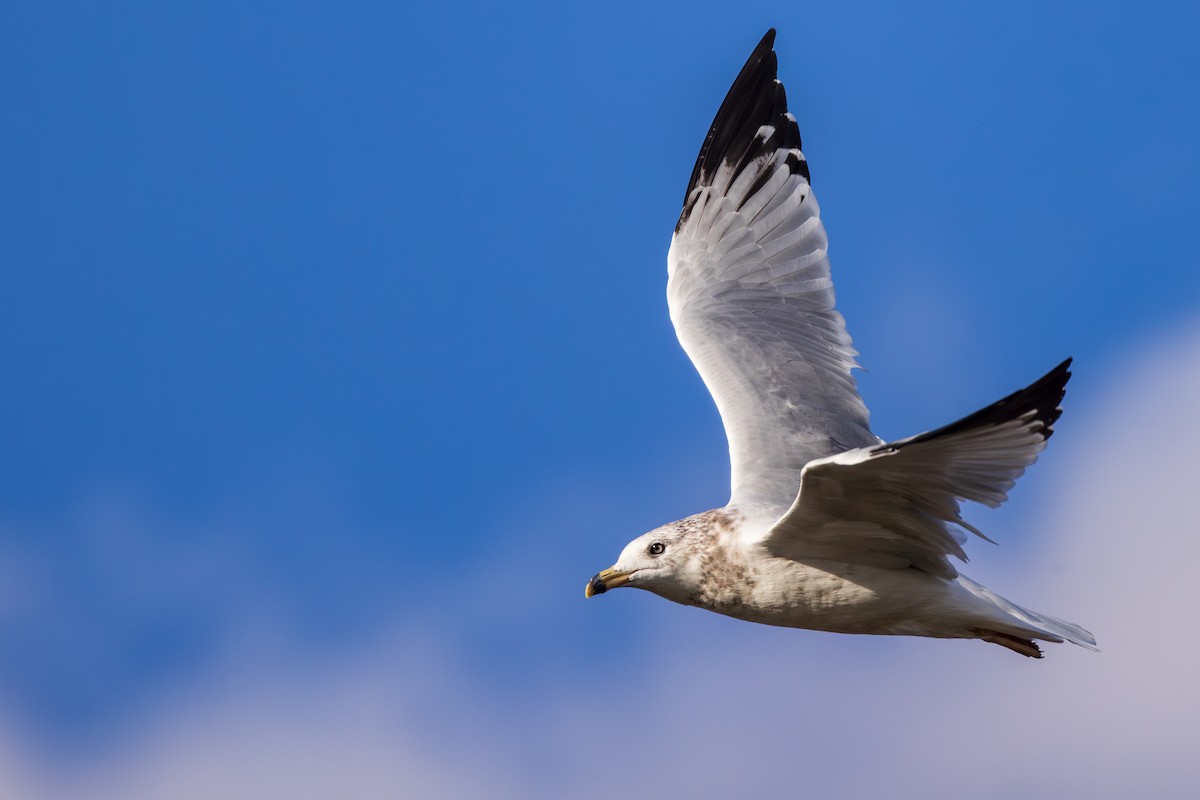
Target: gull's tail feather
[[1023, 622]]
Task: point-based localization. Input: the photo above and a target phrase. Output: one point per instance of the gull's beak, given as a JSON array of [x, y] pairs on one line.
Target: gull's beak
[[608, 579]]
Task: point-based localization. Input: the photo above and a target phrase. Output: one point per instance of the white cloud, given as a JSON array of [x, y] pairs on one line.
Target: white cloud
[[716, 708]]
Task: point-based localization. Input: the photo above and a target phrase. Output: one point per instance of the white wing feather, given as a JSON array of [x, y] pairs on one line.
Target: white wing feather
[[897, 504], [751, 297]]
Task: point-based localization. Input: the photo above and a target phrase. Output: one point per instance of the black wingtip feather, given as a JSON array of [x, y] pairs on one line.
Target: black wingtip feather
[[798, 165], [1043, 396], [755, 99]]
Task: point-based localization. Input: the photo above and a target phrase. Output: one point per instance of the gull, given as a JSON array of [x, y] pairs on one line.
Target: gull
[[828, 527]]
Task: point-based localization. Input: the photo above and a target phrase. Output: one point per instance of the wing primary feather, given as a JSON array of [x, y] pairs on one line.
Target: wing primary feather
[[1042, 397], [759, 72]]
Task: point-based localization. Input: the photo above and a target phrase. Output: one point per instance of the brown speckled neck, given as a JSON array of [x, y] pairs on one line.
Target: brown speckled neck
[[725, 581]]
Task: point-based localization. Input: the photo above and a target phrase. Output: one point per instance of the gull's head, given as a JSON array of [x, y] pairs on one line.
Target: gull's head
[[666, 561]]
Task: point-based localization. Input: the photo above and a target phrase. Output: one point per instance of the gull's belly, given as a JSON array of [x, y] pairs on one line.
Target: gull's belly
[[844, 598]]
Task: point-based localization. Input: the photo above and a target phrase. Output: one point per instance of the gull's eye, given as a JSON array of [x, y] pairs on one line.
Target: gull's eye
[[656, 549]]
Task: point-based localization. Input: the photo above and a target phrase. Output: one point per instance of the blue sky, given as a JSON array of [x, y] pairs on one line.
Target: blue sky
[[337, 358]]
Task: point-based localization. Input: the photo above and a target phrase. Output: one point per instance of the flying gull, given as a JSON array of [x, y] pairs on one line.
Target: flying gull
[[828, 527]]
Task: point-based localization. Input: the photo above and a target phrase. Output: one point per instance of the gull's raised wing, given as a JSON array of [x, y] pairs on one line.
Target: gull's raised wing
[[897, 504], [752, 300]]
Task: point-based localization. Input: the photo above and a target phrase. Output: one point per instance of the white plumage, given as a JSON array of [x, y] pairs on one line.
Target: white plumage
[[827, 526]]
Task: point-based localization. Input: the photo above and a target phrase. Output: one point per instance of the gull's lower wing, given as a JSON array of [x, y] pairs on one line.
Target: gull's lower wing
[[897, 504], [751, 296]]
